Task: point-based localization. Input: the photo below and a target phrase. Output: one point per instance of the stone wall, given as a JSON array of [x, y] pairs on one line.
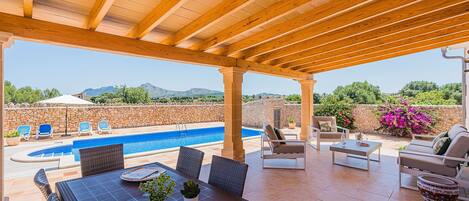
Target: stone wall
[[118, 116]]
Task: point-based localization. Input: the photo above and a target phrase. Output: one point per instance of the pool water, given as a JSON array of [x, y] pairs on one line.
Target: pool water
[[144, 142]]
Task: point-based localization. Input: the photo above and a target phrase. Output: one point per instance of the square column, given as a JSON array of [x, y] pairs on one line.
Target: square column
[[307, 107], [5, 41], [233, 100]]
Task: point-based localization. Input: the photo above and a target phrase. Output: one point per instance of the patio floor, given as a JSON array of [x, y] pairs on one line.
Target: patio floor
[[320, 181]]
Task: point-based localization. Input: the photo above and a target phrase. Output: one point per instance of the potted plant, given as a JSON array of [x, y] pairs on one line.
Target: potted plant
[[291, 123], [159, 188], [12, 138], [191, 191]]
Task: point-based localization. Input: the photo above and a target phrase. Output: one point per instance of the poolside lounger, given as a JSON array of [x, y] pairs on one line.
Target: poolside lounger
[[44, 130], [24, 131], [84, 128], [104, 127]]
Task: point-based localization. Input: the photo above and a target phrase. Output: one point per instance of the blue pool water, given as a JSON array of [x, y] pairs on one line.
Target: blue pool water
[[144, 142]]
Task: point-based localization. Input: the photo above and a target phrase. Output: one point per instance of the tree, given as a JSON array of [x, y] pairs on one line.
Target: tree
[[452, 91], [28, 95], [123, 94], [359, 93], [435, 97], [295, 98], [51, 93], [341, 109], [10, 91], [413, 88]]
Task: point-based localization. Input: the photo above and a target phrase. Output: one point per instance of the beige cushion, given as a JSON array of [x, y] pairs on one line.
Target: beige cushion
[[325, 126], [421, 149], [331, 135], [455, 130], [424, 143], [426, 163], [458, 148], [289, 148]]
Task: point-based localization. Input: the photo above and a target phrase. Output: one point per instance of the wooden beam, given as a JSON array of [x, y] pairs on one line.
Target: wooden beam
[[325, 28], [262, 17], [52, 33], [343, 49], [155, 17], [416, 47], [204, 21], [299, 22], [28, 8], [454, 31], [97, 13]]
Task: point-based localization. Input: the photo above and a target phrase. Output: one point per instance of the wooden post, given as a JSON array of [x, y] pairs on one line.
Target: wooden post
[[307, 87], [233, 143], [5, 41]]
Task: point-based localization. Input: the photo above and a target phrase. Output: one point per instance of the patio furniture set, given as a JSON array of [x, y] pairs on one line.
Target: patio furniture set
[[103, 169], [46, 130]]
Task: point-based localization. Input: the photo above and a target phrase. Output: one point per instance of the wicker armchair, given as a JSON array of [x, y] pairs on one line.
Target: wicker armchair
[[101, 159], [335, 135], [190, 162], [53, 197], [228, 175], [41, 181]]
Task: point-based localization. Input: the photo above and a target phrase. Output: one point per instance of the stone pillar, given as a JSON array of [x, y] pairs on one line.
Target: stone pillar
[[5, 41], [307, 87], [233, 143]]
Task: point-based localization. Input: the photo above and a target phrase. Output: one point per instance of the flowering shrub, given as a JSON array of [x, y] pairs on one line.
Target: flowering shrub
[[404, 119], [341, 110]]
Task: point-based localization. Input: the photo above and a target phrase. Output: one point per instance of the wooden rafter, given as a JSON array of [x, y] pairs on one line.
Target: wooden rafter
[[345, 48], [155, 17], [204, 21], [264, 16], [97, 13], [424, 45], [366, 27], [294, 24], [38, 30], [324, 28], [28, 8]]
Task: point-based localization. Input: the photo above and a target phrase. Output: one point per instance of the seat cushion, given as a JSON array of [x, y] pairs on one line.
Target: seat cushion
[[455, 130], [426, 163], [440, 146], [424, 143], [290, 148], [421, 149], [458, 149], [331, 135]]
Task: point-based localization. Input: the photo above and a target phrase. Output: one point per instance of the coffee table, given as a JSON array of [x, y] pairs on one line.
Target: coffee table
[[352, 149]]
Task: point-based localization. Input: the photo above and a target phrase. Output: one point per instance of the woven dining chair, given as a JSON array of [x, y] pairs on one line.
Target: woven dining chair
[[228, 175], [53, 197], [190, 162], [101, 159], [41, 181]]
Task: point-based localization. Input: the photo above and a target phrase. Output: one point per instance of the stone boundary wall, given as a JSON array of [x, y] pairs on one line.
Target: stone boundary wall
[[118, 116]]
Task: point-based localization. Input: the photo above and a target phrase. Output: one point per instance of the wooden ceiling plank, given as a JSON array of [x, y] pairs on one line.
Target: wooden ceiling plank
[[299, 22], [97, 13], [262, 17], [164, 9], [359, 43], [389, 47], [355, 16], [415, 47], [204, 21], [53, 33], [28, 8]]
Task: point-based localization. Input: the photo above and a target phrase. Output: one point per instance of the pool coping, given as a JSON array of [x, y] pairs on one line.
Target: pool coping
[[69, 161]]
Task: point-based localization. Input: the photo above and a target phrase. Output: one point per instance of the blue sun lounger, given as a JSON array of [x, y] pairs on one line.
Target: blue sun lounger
[[44, 130], [84, 128], [104, 127], [24, 131]]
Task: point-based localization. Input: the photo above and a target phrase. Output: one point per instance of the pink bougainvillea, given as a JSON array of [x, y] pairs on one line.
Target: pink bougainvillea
[[404, 119]]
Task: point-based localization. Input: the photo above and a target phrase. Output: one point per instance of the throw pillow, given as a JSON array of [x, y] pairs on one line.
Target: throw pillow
[[325, 126], [441, 146], [280, 135], [439, 136]]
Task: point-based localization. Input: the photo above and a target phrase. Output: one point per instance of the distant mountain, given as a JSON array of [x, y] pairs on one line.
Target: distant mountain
[[158, 92]]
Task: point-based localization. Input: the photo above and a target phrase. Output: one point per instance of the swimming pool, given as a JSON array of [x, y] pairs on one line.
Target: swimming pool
[[137, 143]]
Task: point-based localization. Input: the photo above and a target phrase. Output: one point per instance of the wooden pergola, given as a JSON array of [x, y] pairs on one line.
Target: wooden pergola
[[288, 38]]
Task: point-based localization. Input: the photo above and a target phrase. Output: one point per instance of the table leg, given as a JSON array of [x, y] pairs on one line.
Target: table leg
[[333, 157], [379, 154], [367, 162]]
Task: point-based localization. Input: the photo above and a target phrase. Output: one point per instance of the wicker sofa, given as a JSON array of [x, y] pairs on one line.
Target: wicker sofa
[[418, 158]]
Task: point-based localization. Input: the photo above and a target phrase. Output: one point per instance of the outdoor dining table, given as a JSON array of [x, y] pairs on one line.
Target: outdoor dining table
[[109, 186]]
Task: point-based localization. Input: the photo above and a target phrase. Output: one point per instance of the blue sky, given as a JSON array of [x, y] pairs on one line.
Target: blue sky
[[71, 70]]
